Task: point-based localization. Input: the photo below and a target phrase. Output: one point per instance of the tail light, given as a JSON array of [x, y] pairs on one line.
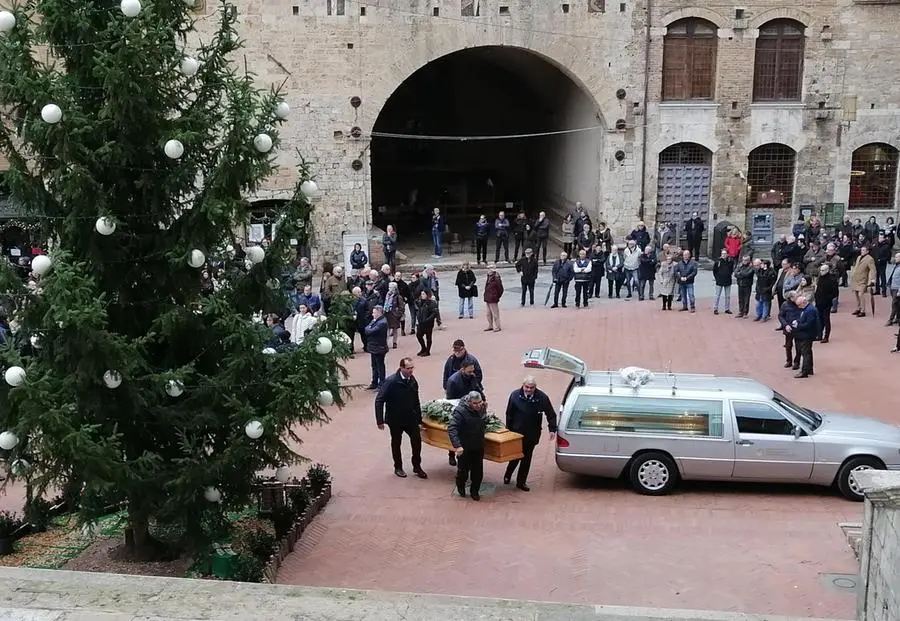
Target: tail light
[[561, 442]]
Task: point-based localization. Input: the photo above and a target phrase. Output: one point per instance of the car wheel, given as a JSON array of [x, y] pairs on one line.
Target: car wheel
[[653, 474], [847, 485]]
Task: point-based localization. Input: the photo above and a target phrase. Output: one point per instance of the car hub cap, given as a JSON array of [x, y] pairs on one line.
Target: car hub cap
[[653, 475], [851, 481]]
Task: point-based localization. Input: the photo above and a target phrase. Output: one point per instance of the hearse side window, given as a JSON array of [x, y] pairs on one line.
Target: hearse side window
[[679, 417], [761, 418]]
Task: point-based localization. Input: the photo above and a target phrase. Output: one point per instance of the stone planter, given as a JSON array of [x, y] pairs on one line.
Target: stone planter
[[287, 543]]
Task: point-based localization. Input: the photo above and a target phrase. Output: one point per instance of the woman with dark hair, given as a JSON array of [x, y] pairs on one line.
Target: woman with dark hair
[[426, 316]]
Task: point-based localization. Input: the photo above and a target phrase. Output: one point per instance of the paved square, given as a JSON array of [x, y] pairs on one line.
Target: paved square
[[757, 549]]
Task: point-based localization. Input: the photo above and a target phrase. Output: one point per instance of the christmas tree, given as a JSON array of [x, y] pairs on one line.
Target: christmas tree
[[134, 143]]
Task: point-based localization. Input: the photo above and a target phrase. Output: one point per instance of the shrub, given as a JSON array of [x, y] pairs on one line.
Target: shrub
[[248, 568], [299, 498], [259, 543], [38, 514], [9, 525], [283, 519], [319, 478]]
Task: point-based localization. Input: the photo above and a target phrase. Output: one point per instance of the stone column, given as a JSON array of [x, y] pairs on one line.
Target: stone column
[[879, 553]]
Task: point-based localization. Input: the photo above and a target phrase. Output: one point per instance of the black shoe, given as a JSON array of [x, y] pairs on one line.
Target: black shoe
[[420, 473], [475, 496], [802, 375], [555, 306], [788, 365], [461, 491], [372, 387], [728, 312], [452, 459], [399, 472], [795, 367], [523, 487], [715, 312], [506, 479]]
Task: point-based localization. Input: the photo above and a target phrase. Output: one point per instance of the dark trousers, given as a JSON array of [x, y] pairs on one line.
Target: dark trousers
[[895, 307], [567, 248], [693, 244], [412, 316], [523, 464], [557, 287], [805, 352], [541, 248], [581, 292], [423, 335], [415, 441], [389, 259], [520, 243], [378, 373], [618, 284], [470, 465], [596, 284], [744, 292], [642, 287], [480, 249], [880, 278], [824, 322], [361, 328], [791, 358], [529, 287], [504, 242], [667, 302]]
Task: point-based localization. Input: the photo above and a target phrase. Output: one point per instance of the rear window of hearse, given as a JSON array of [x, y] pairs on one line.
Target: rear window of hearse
[[679, 417]]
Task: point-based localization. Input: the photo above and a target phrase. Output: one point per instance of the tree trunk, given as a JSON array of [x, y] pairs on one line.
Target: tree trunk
[[138, 542]]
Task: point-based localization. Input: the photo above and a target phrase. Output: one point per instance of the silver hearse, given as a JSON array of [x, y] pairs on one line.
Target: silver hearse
[[659, 428]]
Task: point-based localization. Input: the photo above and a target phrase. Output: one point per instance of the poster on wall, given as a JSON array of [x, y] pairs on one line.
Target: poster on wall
[[257, 232]]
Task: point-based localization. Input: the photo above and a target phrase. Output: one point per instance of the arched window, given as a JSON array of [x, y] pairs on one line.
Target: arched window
[[770, 176], [778, 67], [873, 177], [689, 60]]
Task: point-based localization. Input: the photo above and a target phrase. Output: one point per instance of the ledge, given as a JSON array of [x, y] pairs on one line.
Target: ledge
[[881, 487], [696, 105]]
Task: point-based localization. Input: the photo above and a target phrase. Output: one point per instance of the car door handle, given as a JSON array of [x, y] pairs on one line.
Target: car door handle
[[744, 443]]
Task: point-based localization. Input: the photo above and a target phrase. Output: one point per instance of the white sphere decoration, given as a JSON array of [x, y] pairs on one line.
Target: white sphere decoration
[[254, 430], [41, 264], [323, 318], [212, 494], [8, 440], [174, 388], [174, 149], [7, 21], [229, 249], [189, 66], [196, 258], [309, 188], [51, 113], [325, 398], [263, 143], [112, 379], [282, 474], [19, 467], [130, 8], [269, 351], [282, 110], [105, 226], [323, 345], [14, 376], [343, 338], [255, 254], [35, 341], [248, 264]]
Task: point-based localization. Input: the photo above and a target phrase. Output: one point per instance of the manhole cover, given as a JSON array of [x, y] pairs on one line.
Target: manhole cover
[[842, 582]]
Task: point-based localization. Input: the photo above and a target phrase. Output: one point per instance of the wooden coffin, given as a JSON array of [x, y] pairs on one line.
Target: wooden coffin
[[500, 447]]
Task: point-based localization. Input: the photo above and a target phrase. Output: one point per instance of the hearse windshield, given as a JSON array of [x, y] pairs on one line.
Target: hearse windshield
[[810, 418]]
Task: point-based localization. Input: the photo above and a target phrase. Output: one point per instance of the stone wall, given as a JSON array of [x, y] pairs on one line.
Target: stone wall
[[879, 588]]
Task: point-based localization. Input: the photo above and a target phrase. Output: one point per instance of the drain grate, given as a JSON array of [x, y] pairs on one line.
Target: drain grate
[[840, 582]]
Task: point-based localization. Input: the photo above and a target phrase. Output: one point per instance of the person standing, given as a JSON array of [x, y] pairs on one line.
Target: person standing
[[615, 271], [632, 261], [397, 405], [493, 291], [722, 270], [501, 233], [520, 227], [582, 275], [881, 252], [765, 282], [804, 329], [825, 295], [527, 267], [862, 280], [467, 289], [437, 232], [666, 281], [693, 231], [482, 230], [395, 312], [562, 274], [542, 233], [893, 284], [641, 235], [598, 264], [466, 430], [389, 246], [568, 234], [787, 315], [685, 273], [524, 410], [377, 345], [427, 315], [647, 273], [744, 277]]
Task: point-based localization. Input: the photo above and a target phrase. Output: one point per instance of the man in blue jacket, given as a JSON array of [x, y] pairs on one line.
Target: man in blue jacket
[[524, 410], [377, 345], [685, 273], [804, 329], [788, 315]]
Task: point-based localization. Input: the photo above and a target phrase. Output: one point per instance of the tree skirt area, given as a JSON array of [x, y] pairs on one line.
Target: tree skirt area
[[107, 555]]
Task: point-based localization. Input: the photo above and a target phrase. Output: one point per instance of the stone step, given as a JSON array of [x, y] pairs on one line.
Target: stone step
[[854, 533]]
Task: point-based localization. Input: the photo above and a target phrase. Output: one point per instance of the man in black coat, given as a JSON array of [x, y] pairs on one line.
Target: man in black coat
[[463, 382], [826, 293], [787, 315], [693, 232], [455, 362], [397, 406], [466, 431], [527, 266], [524, 410], [377, 345]]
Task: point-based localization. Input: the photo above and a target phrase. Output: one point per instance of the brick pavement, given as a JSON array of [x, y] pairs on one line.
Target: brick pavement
[[758, 549]]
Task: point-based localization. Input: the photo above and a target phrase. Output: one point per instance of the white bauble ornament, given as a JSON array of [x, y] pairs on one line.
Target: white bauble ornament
[[229, 249], [196, 258], [51, 113], [89, 529], [255, 254], [130, 8], [112, 379], [212, 494], [282, 110], [263, 143], [7, 21], [282, 474], [19, 467], [309, 188], [174, 388], [189, 66], [323, 318], [8, 440], [269, 351], [323, 345], [189, 3], [325, 398], [41, 264], [35, 341], [254, 430], [105, 226], [343, 338], [248, 264], [15, 376], [174, 149]]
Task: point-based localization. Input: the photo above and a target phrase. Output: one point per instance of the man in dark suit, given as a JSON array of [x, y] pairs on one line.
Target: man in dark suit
[[376, 344], [397, 406], [693, 232], [524, 410]]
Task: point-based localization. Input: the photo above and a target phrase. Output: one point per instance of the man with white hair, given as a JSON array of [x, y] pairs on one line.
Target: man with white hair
[[466, 431], [804, 329], [524, 410]]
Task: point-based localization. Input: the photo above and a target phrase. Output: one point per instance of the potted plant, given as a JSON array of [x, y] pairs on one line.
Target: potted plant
[[9, 527], [319, 478]]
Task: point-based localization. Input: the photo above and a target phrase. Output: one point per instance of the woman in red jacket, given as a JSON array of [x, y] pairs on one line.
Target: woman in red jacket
[[733, 244]]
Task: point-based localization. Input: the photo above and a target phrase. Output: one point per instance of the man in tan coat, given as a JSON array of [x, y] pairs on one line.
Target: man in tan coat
[[862, 280]]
